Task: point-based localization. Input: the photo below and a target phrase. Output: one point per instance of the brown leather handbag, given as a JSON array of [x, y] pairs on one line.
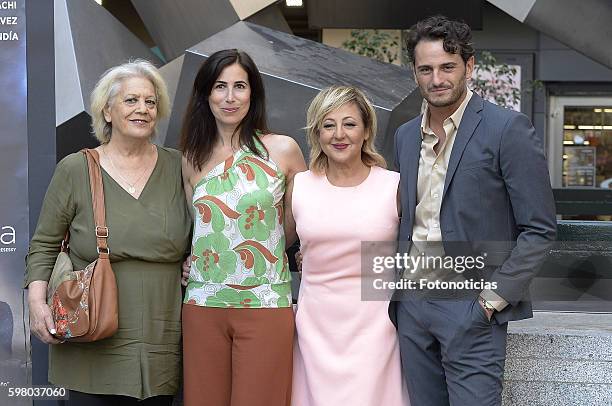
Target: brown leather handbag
[[84, 302]]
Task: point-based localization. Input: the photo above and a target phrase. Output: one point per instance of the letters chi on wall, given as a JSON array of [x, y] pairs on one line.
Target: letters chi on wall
[[14, 231]]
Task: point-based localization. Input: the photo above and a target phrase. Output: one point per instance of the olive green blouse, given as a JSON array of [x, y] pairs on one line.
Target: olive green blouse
[[148, 239]]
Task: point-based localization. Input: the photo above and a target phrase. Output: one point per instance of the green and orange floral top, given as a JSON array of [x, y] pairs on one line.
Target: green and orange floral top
[[238, 247]]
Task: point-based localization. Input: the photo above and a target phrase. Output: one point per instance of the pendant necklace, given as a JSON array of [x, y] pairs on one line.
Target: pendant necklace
[[131, 186]]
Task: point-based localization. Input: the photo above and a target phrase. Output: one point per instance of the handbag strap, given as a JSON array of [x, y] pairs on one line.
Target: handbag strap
[[65, 246], [97, 197]]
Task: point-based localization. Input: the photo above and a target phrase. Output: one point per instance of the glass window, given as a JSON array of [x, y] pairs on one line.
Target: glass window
[[587, 146]]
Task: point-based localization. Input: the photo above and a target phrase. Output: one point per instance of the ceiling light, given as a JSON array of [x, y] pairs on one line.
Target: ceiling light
[[294, 3]]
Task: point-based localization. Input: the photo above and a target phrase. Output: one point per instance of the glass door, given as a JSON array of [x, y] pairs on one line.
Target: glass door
[[580, 142]]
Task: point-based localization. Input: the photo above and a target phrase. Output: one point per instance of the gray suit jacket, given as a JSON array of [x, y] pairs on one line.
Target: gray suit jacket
[[497, 189]]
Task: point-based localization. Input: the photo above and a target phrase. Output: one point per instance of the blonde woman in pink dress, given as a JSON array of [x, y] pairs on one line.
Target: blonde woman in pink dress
[[347, 350]]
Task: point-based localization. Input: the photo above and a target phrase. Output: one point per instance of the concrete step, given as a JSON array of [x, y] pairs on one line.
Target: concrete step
[[558, 370], [559, 359], [520, 393], [574, 336]]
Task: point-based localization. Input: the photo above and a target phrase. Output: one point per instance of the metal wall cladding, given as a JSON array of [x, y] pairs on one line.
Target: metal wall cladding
[[88, 41], [178, 25], [553, 17], [389, 14], [294, 70]]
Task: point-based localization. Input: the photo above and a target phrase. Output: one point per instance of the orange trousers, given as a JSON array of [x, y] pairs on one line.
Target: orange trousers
[[237, 357]]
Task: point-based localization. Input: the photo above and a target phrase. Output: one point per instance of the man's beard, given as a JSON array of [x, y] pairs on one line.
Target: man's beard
[[454, 96]]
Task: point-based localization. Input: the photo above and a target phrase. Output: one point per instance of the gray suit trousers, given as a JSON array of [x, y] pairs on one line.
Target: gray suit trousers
[[452, 355]]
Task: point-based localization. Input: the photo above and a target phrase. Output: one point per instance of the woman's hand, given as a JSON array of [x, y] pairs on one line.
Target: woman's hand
[[298, 260], [186, 270], [41, 320]]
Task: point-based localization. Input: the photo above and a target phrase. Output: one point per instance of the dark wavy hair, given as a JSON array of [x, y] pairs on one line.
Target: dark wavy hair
[[456, 36], [199, 132]]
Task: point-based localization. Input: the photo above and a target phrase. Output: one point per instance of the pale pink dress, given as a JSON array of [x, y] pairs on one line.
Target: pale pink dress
[[346, 350]]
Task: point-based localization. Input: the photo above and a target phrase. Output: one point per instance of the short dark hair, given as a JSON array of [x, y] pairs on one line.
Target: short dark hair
[[456, 36], [199, 132]]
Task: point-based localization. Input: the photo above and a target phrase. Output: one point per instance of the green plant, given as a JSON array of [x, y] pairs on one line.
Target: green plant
[[374, 44], [495, 81]]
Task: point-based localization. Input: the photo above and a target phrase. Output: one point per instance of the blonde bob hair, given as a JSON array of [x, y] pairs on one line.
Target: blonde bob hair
[[107, 88], [329, 100]]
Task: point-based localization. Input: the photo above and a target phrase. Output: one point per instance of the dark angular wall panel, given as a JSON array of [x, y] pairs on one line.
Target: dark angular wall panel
[[88, 41], [389, 14], [176, 25], [294, 70]]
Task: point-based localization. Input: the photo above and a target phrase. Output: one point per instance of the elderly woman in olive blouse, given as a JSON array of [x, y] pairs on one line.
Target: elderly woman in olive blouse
[[149, 229]]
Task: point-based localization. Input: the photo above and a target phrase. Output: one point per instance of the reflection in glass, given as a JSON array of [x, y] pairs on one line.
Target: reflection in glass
[[587, 146]]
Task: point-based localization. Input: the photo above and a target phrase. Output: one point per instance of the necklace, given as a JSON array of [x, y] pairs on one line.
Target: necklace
[[131, 186]]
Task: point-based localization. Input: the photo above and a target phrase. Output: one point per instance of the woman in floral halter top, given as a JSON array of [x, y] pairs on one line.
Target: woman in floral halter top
[[238, 321]]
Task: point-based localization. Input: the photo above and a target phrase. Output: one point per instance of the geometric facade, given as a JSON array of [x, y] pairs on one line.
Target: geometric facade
[[390, 14], [178, 25], [88, 41], [171, 73], [563, 20], [294, 70]]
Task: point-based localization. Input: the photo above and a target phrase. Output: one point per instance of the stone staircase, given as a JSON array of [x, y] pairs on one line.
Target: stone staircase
[[559, 359]]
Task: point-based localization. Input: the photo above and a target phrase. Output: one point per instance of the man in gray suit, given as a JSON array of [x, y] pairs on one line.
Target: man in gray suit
[[474, 173]]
